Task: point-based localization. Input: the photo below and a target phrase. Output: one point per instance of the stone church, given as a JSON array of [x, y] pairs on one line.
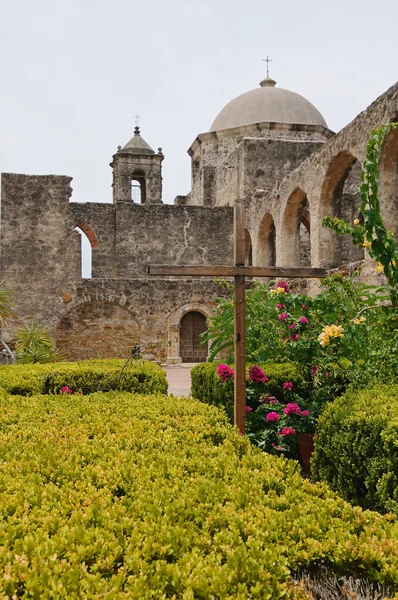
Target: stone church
[[269, 149]]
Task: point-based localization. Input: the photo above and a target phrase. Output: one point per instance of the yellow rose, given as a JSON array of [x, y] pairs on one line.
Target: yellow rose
[[379, 268], [356, 221], [366, 244], [280, 290]]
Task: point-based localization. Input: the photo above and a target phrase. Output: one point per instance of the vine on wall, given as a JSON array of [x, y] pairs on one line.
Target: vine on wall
[[373, 234]]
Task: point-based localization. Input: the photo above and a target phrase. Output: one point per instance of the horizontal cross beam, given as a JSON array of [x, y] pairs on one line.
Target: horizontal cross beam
[[222, 271]]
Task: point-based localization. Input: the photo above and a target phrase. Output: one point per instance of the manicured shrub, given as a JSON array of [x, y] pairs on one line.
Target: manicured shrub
[[85, 376], [356, 450], [121, 496], [208, 387]]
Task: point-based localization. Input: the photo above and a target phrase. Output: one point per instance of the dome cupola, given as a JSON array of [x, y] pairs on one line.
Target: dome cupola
[[267, 103]]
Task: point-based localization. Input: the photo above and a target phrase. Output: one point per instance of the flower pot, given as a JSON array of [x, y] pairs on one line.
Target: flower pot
[[306, 448]]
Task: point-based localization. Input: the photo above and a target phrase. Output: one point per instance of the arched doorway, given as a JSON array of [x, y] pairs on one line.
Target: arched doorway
[[192, 325], [266, 249]]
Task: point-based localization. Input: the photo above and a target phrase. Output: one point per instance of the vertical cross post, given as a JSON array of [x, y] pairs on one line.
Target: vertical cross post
[[239, 321]]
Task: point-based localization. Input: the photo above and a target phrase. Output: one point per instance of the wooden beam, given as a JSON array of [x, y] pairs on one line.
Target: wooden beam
[[222, 271], [239, 321]]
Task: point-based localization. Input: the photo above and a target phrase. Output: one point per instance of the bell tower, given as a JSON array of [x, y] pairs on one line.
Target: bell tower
[[137, 172]]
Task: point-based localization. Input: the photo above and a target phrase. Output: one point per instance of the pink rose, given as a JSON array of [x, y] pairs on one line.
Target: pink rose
[[225, 372], [292, 408], [303, 320], [305, 413], [249, 409], [288, 386], [282, 316]]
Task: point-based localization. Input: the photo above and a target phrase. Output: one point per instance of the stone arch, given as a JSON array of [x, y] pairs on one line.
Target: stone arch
[[88, 241], [340, 197], [388, 182], [266, 242], [295, 235], [96, 327], [138, 186], [173, 324]]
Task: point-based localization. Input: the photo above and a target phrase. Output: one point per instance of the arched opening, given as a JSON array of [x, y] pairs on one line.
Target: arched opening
[[88, 242], [192, 325], [341, 198], [388, 184], [296, 246], [266, 250], [138, 187], [248, 249]]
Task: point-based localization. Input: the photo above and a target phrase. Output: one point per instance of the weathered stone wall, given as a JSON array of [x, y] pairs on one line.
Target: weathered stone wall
[[213, 149], [106, 317], [40, 250], [258, 164], [168, 234]]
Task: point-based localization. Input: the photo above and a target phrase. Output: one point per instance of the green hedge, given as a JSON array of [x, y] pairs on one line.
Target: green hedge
[[357, 450], [121, 496], [85, 376], [207, 386]]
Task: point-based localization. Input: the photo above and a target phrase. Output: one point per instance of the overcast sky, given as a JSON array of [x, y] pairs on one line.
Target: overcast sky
[[75, 72]]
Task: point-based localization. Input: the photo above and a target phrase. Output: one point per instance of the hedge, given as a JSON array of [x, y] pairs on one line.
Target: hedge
[[137, 497], [356, 449], [207, 387], [85, 376]]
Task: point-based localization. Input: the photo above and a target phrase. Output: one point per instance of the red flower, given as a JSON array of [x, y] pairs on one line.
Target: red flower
[[288, 431], [225, 372], [288, 386], [257, 375], [305, 413]]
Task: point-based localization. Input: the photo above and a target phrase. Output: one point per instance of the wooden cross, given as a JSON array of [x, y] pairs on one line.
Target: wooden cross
[[239, 272]]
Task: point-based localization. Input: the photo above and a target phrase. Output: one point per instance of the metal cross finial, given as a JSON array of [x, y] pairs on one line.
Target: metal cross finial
[[267, 60], [137, 120]]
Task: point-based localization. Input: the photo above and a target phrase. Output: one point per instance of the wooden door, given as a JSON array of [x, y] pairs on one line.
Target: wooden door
[[192, 325]]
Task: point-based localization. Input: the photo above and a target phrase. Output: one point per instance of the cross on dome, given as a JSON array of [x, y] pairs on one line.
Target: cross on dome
[[267, 60]]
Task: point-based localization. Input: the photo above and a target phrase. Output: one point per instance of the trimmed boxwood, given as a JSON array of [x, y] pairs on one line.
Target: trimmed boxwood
[[86, 376], [207, 386], [356, 450], [121, 496]]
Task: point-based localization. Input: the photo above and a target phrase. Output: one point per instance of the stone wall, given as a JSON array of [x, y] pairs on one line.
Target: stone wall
[[40, 250], [213, 149], [169, 234]]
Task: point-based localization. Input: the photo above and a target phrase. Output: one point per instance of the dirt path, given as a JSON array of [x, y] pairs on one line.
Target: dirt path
[[179, 378]]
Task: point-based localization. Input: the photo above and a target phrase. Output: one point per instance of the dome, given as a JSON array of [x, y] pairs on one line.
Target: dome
[[267, 103]]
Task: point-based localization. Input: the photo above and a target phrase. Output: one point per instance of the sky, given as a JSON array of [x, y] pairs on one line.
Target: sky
[[74, 74]]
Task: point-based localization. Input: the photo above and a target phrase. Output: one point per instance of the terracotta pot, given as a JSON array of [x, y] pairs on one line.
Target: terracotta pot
[[306, 448]]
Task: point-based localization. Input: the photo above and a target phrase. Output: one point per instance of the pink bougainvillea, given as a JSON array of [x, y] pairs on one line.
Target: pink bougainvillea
[[66, 390], [272, 416], [225, 372], [288, 386], [288, 431], [305, 413], [257, 375], [292, 408], [284, 285]]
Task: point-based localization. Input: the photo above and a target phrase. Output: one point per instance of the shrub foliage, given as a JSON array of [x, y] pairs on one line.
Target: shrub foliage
[[121, 496], [356, 449], [86, 377]]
